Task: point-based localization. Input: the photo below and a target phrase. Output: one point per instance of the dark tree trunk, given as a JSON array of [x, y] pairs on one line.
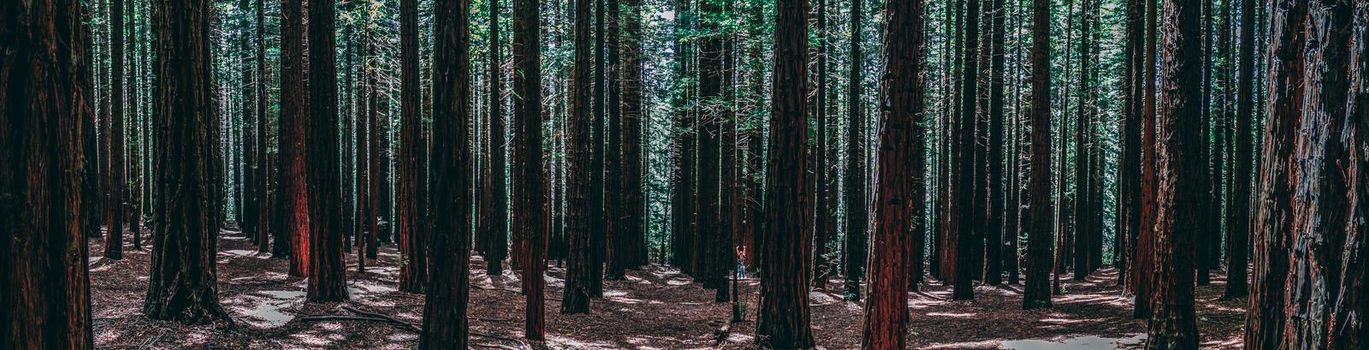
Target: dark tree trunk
[[579, 219], [898, 195], [633, 205], [114, 209], [1143, 269], [613, 157], [784, 314], [44, 119], [1084, 228], [261, 170], [494, 202], [817, 102], [1319, 182], [413, 272], [294, 106], [327, 282], [997, 212], [597, 244], [444, 313], [530, 190], [713, 272], [1181, 177], [1273, 216], [1038, 222], [1348, 329], [857, 203], [967, 219], [1129, 168], [376, 168], [1238, 214], [182, 283]]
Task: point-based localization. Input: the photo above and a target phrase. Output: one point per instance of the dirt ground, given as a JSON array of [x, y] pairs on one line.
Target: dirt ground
[[655, 308]]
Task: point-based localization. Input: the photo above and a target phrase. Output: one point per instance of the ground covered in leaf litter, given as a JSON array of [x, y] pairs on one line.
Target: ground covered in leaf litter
[[655, 308]]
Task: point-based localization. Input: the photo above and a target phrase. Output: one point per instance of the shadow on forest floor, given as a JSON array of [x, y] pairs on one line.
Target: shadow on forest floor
[[655, 308]]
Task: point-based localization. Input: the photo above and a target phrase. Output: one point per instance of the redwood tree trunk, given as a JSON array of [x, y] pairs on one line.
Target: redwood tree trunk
[[114, 216], [444, 313], [413, 272], [579, 220], [530, 189], [1039, 219], [327, 282], [45, 302], [967, 219], [1238, 215], [182, 283], [857, 203], [494, 201], [633, 205], [1182, 179], [294, 105], [886, 311], [783, 319], [1273, 216]]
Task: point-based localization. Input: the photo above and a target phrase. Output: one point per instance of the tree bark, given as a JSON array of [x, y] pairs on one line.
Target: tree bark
[[494, 200], [327, 282], [1143, 269], [857, 204], [967, 227], [1037, 292], [294, 106], [530, 190], [634, 205], [1181, 177], [579, 218], [897, 221], [115, 209], [1238, 214], [444, 313], [413, 272], [1273, 216], [783, 320], [45, 116], [182, 284]]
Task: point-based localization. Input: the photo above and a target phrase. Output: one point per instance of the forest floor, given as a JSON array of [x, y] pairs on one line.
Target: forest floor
[[654, 308]]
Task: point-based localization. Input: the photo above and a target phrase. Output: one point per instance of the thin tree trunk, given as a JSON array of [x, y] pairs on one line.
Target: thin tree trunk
[[327, 282], [413, 272], [1038, 222], [579, 219], [530, 190], [294, 105], [857, 203], [1238, 214]]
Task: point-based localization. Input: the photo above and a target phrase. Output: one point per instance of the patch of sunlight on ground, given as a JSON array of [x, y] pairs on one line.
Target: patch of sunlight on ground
[[952, 314]]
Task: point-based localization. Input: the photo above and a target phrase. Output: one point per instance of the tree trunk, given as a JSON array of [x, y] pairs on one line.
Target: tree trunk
[[1038, 222], [613, 157], [114, 216], [996, 211], [898, 197], [413, 272], [634, 205], [327, 283], [579, 219], [262, 174], [1143, 269], [182, 284], [45, 303], [1129, 168], [1319, 182], [1238, 214], [1084, 228], [1348, 330], [530, 189], [597, 243], [1273, 217], [444, 313], [714, 271], [784, 314], [294, 105], [965, 185], [494, 203], [857, 203], [1181, 177]]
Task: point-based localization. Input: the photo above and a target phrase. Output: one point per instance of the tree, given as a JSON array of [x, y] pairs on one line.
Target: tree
[[444, 313], [1129, 167], [262, 174], [968, 225], [295, 192], [714, 270], [1143, 268], [1181, 179], [45, 303], [530, 188], [182, 283], [1085, 230], [1273, 217], [613, 154], [579, 218], [413, 273], [1349, 331], [886, 311], [494, 202], [327, 281], [115, 209], [634, 205], [1238, 214], [997, 208], [1037, 292], [857, 205], [1320, 195], [785, 245]]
